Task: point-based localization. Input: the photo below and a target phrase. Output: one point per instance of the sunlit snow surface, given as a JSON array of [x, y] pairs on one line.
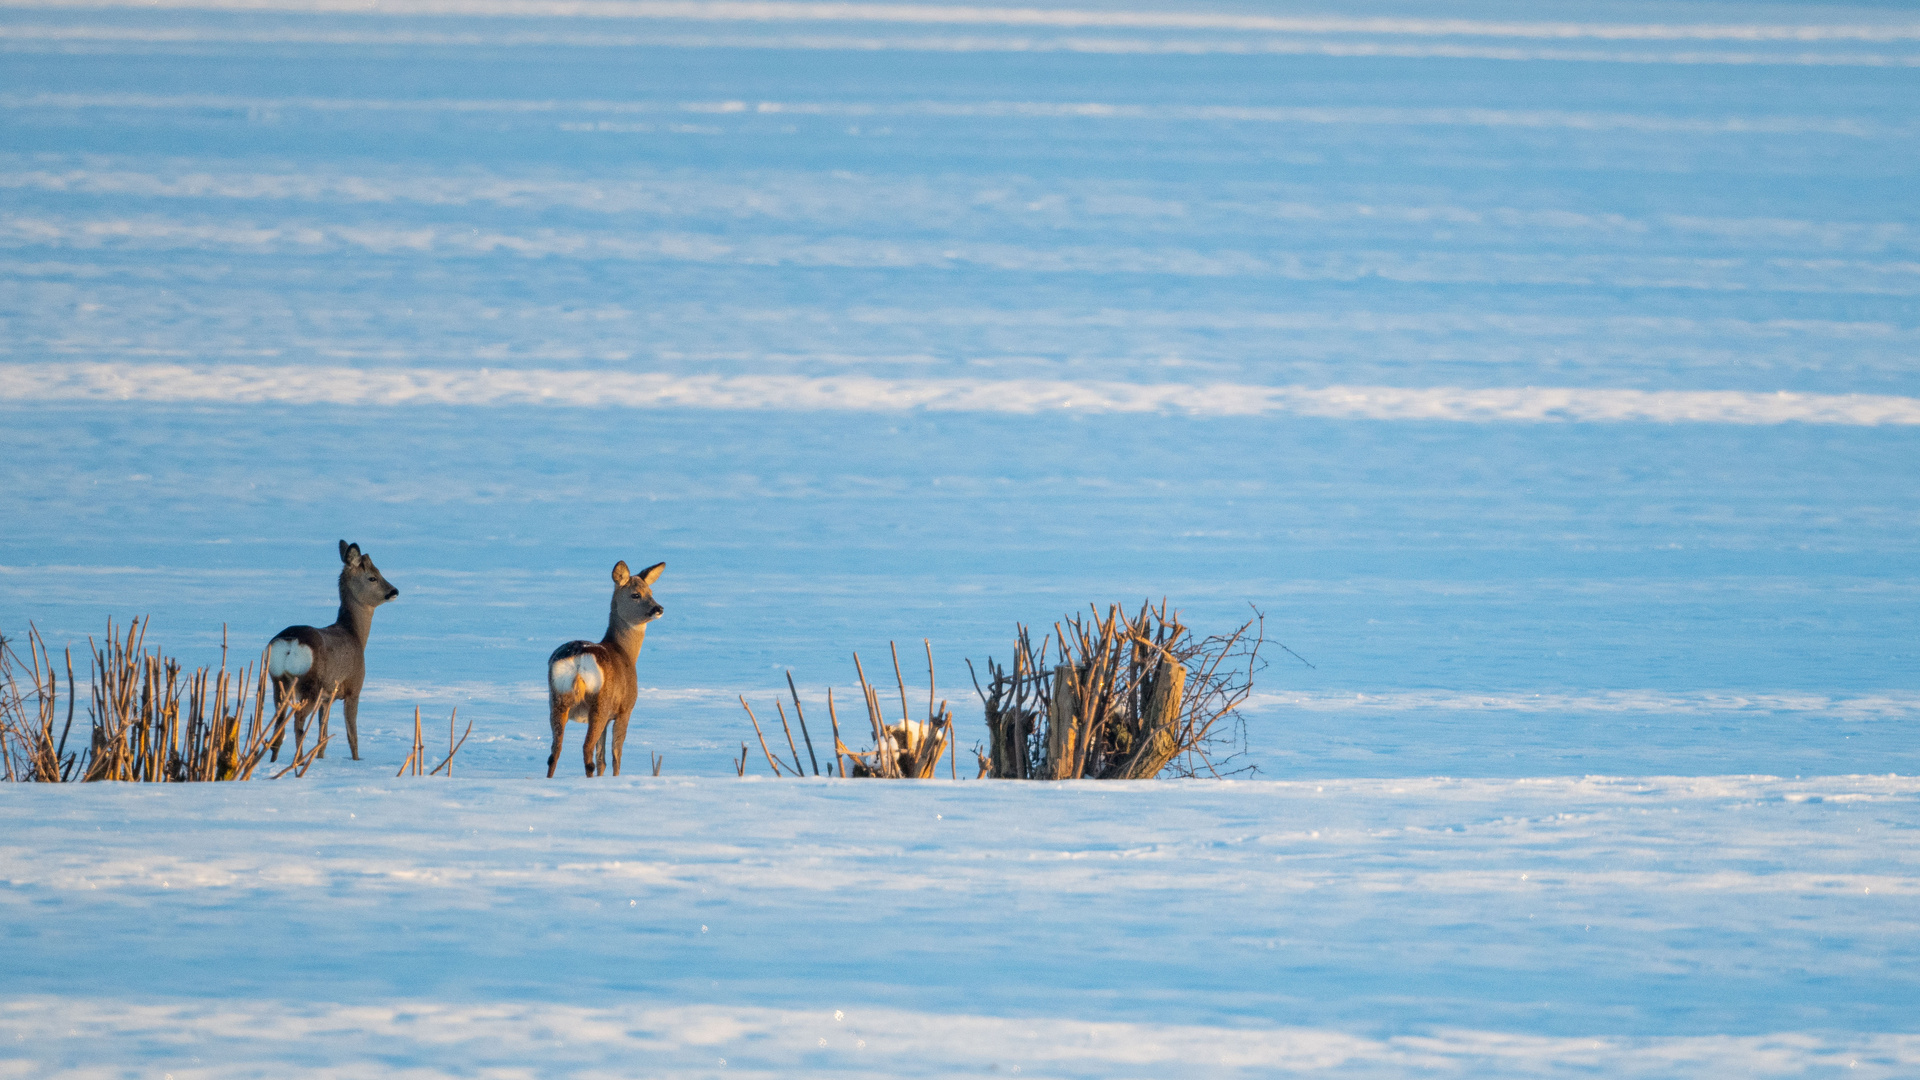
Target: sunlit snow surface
[[1661, 926], [1546, 374]]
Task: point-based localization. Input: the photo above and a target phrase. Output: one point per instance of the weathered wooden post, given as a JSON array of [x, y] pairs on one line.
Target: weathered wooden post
[[1063, 726], [1158, 736]]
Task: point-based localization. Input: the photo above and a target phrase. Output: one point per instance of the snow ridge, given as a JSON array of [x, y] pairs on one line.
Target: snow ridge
[[1063, 18], [252, 384], [693, 1039]]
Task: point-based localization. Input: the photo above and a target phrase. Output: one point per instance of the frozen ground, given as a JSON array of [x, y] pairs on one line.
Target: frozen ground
[[1647, 927], [1545, 372]]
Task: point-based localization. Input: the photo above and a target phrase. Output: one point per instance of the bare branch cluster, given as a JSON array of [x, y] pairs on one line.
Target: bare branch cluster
[[151, 720], [1120, 698], [416, 763], [907, 750]]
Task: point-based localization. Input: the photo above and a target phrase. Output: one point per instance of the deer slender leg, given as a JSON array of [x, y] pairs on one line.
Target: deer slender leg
[[558, 708], [594, 750], [296, 714], [351, 709], [280, 731], [619, 739], [320, 728], [301, 712]]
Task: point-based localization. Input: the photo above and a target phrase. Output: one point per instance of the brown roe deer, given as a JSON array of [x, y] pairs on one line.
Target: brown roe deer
[[312, 668], [597, 683]]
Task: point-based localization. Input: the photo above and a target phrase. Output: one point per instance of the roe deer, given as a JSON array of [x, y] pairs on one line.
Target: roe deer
[[313, 668], [596, 683]]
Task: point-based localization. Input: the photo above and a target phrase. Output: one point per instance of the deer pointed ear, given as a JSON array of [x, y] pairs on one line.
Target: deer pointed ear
[[652, 573], [349, 553], [620, 573]]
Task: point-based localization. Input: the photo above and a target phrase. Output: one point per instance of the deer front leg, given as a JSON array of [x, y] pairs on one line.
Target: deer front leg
[[558, 709], [350, 708], [620, 738]]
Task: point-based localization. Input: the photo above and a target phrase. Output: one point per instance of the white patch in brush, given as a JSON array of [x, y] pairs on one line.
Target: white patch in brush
[[560, 676], [912, 732], [285, 657]]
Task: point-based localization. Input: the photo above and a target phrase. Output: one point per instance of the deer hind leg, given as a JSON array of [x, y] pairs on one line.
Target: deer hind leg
[[595, 748], [573, 682], [302, 711], [558, 707], [320, 726], [285, 704], [298, 711]]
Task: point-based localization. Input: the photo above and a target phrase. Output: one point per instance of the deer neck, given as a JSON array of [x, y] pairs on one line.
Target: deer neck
[[356, 617], [626, 637]]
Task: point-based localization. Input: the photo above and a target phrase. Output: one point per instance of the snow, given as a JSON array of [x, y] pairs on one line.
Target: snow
[[1626, 926], [1544, 372], [245, 384]]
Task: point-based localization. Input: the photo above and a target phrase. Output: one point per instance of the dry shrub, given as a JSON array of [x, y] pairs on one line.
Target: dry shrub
[[150, 719], [29, 713], [1121, 699], [907, 750]]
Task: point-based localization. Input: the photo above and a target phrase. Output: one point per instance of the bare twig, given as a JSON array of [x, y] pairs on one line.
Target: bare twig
[[800, 715], [798, 769], [452, 747], [763, 738], [834, 718], [298, 766]]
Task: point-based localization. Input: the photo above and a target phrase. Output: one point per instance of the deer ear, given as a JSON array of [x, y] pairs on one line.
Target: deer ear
[[349, 553], [652, 573], [620, 573]]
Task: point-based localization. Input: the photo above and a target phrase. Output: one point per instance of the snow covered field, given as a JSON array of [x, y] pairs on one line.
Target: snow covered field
[[1643, 927], [1546, 372]]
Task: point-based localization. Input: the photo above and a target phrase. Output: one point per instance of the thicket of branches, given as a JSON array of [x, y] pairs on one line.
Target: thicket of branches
[[1121, 698], [149, 718], [908, 749]]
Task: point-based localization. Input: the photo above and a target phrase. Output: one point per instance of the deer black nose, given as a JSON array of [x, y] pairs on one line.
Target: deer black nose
[[392, 592], [658, 611]]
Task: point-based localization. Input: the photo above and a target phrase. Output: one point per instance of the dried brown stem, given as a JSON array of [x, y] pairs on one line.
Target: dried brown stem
[[763, 738], [800, 715], [452, 747], [798, 769]]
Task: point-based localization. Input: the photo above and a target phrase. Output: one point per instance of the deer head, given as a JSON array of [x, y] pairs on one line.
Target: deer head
[[633, 602], [361, 582]]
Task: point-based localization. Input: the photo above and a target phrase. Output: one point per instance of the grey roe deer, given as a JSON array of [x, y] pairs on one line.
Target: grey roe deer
[[312, 668], [596, 682]]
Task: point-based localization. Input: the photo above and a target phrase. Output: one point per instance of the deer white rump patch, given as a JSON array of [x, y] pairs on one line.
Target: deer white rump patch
[[285, 657], [561, 674]]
